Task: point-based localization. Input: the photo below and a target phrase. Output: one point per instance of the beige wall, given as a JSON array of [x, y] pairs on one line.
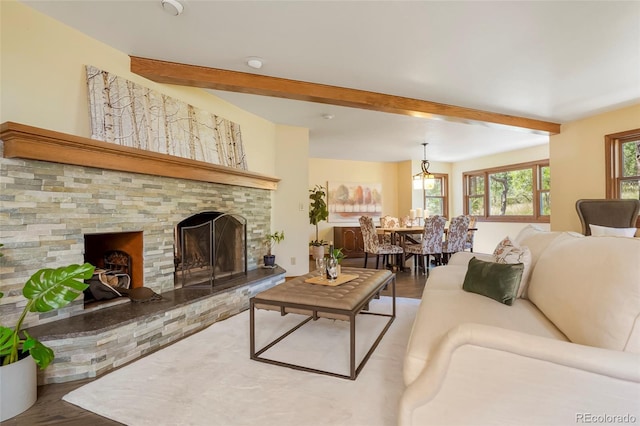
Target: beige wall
[[292, 196], [405, 193], [578, 162], [322, 171], [43, 84]]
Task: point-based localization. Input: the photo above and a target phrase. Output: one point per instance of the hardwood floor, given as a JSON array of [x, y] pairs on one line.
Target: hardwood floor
[[49, 409]]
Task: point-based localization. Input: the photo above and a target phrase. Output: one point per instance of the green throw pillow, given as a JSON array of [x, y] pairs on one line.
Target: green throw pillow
[[498, 281]]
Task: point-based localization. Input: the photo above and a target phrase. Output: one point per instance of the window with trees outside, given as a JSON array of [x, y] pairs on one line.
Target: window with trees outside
[[623, 165], [435, 195], [514, 193]]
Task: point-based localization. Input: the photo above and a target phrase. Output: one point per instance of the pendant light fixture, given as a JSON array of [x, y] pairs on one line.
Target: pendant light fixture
[[424, 179]]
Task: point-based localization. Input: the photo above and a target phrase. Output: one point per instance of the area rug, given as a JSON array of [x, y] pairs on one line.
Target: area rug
[[208, 378]]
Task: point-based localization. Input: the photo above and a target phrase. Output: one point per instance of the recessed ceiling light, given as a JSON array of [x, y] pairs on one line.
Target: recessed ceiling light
[[173, 7], [255, 62], [328, 116]]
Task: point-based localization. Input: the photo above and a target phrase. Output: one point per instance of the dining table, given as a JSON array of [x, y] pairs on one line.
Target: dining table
[[400, 235]]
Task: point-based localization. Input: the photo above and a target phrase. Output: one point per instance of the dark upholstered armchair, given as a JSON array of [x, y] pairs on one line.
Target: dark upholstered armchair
[[611, 213]]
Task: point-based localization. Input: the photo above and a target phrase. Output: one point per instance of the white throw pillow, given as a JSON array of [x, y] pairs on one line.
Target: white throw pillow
[[603, 231], [509, 252]]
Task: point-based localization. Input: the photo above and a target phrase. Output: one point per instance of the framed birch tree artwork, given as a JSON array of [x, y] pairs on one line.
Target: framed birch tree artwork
[[349, 200], [128, 114]]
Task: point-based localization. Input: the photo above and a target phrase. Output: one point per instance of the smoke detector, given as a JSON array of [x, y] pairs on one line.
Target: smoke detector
[[255, 62], [172, 7]]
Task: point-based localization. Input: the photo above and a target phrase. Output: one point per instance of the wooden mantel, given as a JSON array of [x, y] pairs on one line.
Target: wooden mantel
[[33, 143]]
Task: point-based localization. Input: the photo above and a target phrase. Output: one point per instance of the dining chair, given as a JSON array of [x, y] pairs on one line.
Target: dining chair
[[613, 213], [431, 243], [456, 237], [388, 221], [372, 244], [407, 222], [470, 234]]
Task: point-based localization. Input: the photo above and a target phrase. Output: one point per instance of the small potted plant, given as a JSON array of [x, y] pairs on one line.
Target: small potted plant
[[46, 290], [269, 241], [339, 255], [318, 212]]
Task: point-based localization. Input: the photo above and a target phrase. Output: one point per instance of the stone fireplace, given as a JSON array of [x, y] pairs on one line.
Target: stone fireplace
[[116, 198], [119, 197]]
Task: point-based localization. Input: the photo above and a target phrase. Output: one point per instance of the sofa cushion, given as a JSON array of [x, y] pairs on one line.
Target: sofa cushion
[[441, 310], [536, 240], [509, 252], [451, 276], [447, 277], [590, 289], [601, 231], [498, 281]]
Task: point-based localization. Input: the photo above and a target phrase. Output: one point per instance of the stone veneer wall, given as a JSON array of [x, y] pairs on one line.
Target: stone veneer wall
[[46, 208]]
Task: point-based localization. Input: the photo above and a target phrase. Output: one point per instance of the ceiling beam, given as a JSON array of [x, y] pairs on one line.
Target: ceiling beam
[[255, 84]]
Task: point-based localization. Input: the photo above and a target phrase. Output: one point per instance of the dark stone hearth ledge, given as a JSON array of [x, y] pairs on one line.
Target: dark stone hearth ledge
[[112, 317]]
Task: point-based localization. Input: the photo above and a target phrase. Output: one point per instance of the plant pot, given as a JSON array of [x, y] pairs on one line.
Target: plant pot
[[18, 387], [270, 260], [317, 252]]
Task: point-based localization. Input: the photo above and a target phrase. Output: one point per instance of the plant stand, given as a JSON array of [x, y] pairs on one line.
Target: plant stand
[[18, 387]]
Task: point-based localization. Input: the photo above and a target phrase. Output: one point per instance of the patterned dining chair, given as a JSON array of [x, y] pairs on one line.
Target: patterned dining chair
[[372, 244], [431, 244], [387, 221], [407, 222], [456, 237], [470, 234]]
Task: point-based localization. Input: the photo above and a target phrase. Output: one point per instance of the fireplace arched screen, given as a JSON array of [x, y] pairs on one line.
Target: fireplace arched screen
[[210, 249]]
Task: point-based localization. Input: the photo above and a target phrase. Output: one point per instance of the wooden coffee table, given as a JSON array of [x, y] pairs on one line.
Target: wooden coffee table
[[343, 302]]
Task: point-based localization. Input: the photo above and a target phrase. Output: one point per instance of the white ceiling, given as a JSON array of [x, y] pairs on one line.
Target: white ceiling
[[553, 61]]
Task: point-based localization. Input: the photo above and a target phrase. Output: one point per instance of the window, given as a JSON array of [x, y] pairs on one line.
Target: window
[[518, 193], [435, 195], [476, 195], [623, 165]]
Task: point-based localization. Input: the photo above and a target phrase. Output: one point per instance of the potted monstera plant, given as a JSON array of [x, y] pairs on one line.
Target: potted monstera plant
[[269, 241], [46, 290], [318, 212]]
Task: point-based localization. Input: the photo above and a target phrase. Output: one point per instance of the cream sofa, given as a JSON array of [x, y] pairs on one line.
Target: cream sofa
[[566, 352]]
